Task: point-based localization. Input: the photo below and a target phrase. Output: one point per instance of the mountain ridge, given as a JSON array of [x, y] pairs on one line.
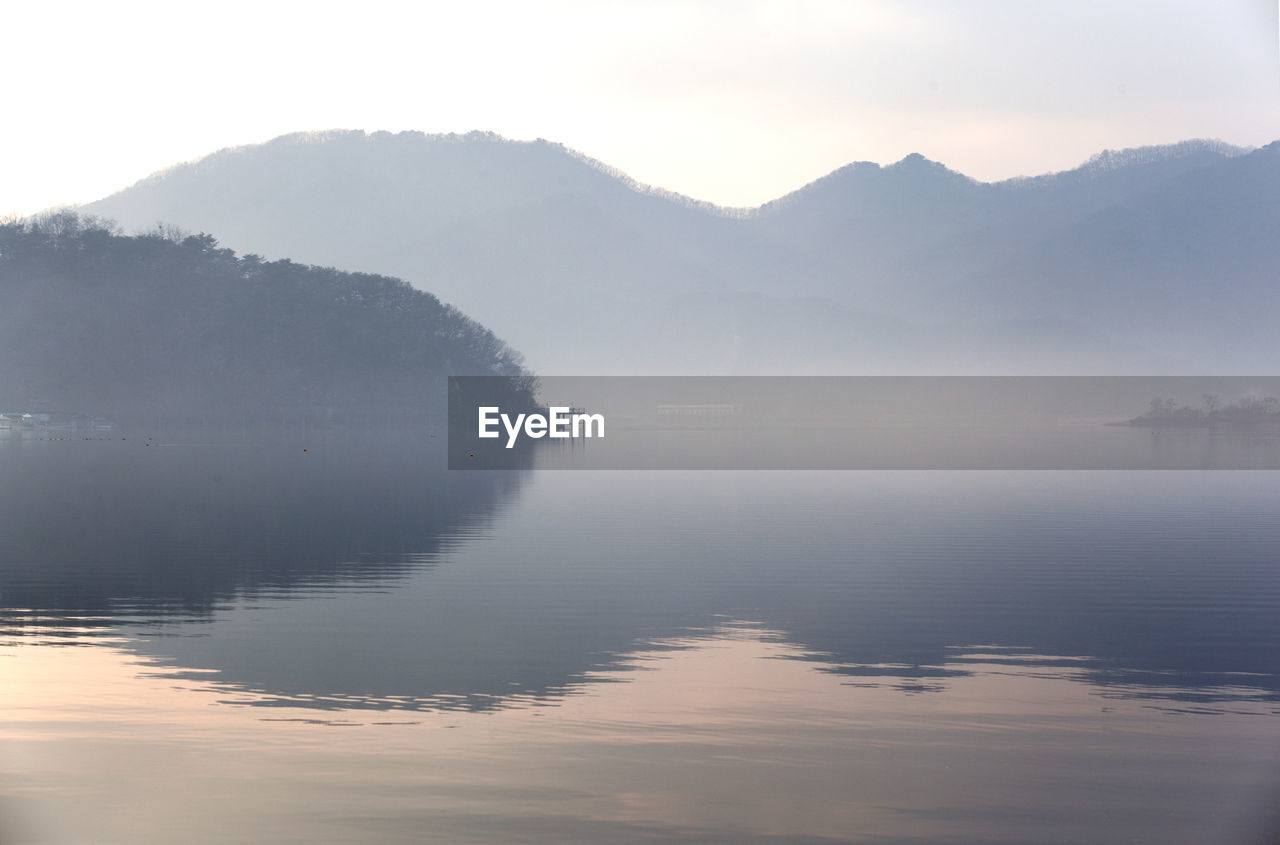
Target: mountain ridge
[[586, 270], [1102, 161]]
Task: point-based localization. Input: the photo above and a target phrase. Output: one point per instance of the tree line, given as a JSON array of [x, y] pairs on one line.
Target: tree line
[[1251, 410], [170, 324]]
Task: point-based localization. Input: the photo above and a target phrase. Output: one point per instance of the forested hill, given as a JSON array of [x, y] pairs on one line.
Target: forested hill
[[173, 326]]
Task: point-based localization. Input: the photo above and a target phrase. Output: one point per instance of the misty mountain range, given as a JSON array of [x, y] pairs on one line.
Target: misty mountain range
[[1156, 260]]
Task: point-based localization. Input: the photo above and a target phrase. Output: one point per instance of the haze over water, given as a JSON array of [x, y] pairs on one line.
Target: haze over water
[[350, 644]]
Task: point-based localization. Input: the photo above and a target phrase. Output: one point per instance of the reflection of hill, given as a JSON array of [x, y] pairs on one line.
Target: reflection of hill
[[1153, 584], [359, 574], [141, 528]]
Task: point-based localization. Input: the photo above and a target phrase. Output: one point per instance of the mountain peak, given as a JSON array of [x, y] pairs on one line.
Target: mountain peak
[[913, 160], [919, 167]]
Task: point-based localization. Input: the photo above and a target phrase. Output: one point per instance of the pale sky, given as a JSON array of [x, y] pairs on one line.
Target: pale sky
[[731, 102]]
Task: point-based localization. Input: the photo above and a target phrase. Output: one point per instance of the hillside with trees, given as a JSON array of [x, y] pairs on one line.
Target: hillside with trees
[[171, 326]]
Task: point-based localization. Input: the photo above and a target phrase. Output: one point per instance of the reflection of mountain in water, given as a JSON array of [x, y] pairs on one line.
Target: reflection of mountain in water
[[107, 530], [358, 575], [1153, 585]]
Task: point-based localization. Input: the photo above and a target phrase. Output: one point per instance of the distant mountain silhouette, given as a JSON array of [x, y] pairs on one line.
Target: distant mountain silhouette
[[1137, 261]]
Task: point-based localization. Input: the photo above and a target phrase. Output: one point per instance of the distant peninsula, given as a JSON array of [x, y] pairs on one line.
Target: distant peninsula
[[168, 326], [1249, 412]]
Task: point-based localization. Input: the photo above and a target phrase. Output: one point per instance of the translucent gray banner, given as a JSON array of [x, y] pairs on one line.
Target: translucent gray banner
[[696, 422]]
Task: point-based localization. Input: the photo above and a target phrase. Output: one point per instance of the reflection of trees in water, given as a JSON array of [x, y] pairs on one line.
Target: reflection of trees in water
[[151, 529], [1158, 601], [1175, 690]]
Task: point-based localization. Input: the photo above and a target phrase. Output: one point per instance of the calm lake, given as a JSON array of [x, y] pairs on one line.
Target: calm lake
[[234, 642]]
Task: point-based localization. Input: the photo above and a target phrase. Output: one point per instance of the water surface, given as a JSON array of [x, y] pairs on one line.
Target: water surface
[[246, 642]]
